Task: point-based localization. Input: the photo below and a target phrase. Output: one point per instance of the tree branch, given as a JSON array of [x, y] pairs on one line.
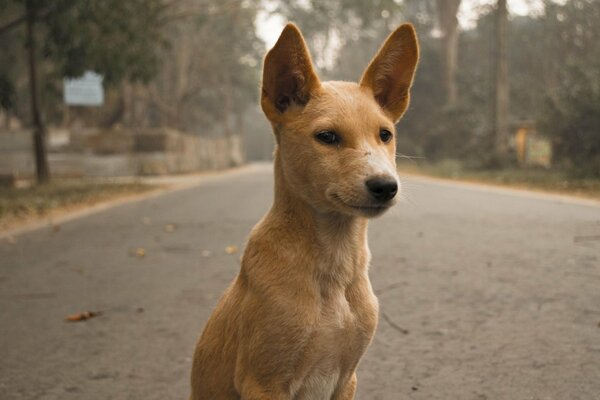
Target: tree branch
[[13, 24], [18, 21]]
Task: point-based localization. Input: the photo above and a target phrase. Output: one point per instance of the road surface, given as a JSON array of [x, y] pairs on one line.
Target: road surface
[[485, 294]]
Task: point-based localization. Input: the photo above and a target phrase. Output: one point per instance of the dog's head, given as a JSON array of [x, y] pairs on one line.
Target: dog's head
[[336, 140]]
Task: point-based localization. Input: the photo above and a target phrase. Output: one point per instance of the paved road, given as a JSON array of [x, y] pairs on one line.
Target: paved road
[[485, 295]]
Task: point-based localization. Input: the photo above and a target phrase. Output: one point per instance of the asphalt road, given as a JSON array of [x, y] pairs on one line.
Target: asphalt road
[[485, 294]]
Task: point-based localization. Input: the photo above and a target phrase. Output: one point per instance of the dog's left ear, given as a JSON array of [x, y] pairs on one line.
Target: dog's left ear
[[390, 74], [289, 78]]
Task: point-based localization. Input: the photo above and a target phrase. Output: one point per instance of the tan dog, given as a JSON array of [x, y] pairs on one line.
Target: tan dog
[[301, 313]]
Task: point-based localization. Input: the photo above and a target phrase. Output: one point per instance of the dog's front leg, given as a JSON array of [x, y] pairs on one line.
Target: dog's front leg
[[257, 393], [250, 389], [348, 390], [267, 358]]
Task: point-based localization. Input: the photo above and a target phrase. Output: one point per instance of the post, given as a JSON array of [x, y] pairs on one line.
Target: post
[[501, 101], [39, 130], [448, 21]]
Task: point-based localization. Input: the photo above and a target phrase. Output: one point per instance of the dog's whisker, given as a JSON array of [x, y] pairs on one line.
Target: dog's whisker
[[405, 199], [400, 155]]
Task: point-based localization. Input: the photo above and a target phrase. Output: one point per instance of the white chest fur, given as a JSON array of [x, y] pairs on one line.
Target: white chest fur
[[319, 385], [335, 334]]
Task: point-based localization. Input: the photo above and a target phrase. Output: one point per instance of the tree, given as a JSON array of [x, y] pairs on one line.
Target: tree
[[115, 38], [39, 130], [569, 72], [501, 132], [448, 22], [339, 22]]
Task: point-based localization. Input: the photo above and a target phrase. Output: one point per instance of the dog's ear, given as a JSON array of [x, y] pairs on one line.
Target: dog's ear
[[288, 74], [390, 74]]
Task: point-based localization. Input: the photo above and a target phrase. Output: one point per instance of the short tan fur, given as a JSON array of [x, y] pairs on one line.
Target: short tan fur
[[301, 313]]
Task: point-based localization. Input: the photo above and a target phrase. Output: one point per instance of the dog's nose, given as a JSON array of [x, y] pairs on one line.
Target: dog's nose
[[382, 189]]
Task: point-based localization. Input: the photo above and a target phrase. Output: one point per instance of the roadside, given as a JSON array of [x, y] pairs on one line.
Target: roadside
[[23, 209], [539, 180], [23, 205], [27, 208]]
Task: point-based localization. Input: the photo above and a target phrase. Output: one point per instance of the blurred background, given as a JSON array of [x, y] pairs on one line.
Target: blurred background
[[172, 86], [115, 117]]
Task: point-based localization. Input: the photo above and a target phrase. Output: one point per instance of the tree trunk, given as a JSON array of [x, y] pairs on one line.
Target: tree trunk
[[501, 133], [7, 119], [448, 22], [39, 130]]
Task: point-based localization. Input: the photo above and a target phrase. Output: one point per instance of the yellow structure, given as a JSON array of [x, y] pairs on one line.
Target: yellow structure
[[532, 149]]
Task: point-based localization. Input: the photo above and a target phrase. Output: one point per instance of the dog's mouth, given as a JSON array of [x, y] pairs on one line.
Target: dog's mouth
[[369, 210]]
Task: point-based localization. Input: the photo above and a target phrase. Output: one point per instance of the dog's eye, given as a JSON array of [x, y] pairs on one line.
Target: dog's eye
[[385, 135], [327, 137]]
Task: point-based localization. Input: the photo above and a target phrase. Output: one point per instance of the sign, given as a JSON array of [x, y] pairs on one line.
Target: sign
[[84, 91]]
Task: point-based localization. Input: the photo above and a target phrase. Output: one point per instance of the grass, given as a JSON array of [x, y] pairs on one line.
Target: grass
[[528, 178], [19, 205]]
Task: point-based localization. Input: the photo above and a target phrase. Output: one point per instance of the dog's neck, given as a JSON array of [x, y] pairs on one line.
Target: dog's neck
[[340, 240]]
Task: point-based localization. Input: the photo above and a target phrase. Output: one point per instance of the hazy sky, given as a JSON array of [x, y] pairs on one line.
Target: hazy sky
[[269, 26]]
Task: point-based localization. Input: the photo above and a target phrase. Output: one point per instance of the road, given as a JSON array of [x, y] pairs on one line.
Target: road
[[485, 294]]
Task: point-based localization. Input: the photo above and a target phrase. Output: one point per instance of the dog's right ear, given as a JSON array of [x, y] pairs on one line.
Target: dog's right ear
[[390, 74], [288, 75]]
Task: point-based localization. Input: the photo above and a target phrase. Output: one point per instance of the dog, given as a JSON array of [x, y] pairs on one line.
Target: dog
[[301, 312]]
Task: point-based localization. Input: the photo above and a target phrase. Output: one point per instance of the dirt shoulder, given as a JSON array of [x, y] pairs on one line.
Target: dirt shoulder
[[27, 208], [25, 205], [538, 180]]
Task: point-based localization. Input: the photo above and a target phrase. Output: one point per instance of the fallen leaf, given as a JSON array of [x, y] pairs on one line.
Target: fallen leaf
[[140, 252], [82, 316], [146, 221], [206, 253], [170, 228], [231, 249], [11, 239]]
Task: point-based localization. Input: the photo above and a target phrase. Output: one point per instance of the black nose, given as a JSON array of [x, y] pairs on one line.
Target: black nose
[[382, 189]]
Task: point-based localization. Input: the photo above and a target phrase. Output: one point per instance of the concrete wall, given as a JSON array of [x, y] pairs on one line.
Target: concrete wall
[[119, 153]]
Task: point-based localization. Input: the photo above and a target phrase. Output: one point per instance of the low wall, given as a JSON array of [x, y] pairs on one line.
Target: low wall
[[119, 153]]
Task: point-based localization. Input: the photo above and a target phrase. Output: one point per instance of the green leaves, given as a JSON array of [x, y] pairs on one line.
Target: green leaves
[[118, 39]]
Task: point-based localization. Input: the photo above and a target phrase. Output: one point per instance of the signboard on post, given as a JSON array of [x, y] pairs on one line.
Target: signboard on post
[[84, 91]]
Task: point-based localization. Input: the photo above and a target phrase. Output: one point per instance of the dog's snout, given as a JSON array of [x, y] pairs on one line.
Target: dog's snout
[[382, 189]]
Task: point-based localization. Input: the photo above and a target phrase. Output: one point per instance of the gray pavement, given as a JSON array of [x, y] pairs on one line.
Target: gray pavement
[[485, 294]]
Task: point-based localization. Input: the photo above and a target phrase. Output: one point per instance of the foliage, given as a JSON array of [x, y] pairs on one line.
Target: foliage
[[118, 39], [10, 64], [570, 111], [554, 79], [211, 76], [331, 24], [215, 66], [212, 71]]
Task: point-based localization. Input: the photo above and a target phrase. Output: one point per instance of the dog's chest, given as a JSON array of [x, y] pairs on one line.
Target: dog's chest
[[336, 344]]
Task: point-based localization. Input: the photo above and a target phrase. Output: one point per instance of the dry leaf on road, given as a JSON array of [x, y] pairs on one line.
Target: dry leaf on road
[[82, 316], [231, 249], [170, 228], [140, 252], [206, 253]]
